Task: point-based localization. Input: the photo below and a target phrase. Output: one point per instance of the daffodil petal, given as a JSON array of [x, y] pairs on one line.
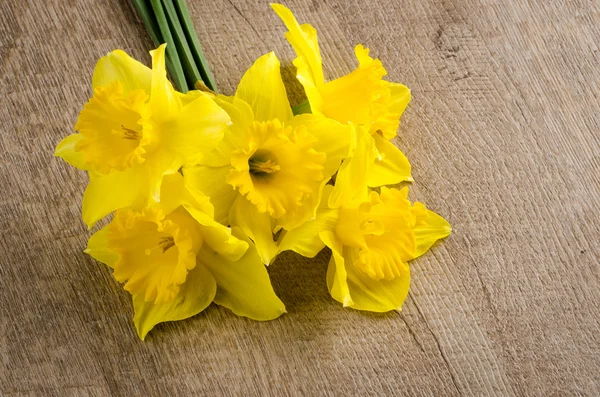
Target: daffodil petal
[[196, 130], [66, 151], [305, 239], [305, 77], [431, 228], [164, 102], [303, 39], [118, 66], [390, 167], [157, 167], [97, 248], [299, 215], [215, 235], [211, 182], [351, 179], [198, 205], [235, 135], [172, 193], [262, 88], [333, 139], [257, 226], [192, 95], [194, 296], [220, 239], [109, 192], [243, 286], [336, 271], [375, 295]]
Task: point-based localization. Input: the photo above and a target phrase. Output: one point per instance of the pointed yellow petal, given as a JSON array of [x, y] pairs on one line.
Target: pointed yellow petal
[[235, 135], [257, 226], [351, 179], [311, 89], [66, 150], [299, 215], [118, 66], [172, 193], [262, 88], [195, 295], [221, 241], [214, 234], [164, 102], [303, 39], [430, 228], [97, 247], [196, 130], [191, 96], [211, 182], [107, 193], [305, 239], [217, 236], [390, 167], [375, 295], [333, 139], [243, 286], [158, 166], [336, 271]]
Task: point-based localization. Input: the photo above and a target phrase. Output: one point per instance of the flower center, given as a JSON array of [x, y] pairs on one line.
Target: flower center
[[130, 134], [382, 232], [166, 242], [262, 165], [278, 169], [155, 252], [114, 129]]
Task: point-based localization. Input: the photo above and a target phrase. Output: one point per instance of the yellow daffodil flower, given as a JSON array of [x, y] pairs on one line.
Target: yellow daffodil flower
[[361, 98], [269, 171], [372, 237], [175, 260], [134, 130]]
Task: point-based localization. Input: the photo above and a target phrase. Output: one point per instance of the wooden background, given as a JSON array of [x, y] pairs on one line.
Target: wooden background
[[503, 135]]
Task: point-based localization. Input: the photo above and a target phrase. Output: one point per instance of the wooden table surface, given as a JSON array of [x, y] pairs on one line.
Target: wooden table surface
[[503, 133]]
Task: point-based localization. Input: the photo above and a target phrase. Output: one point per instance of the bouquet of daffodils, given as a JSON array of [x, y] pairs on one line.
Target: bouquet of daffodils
[[205, 189]]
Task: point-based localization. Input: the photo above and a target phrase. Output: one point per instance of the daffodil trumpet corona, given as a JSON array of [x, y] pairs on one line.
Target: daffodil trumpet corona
[[205, 189]]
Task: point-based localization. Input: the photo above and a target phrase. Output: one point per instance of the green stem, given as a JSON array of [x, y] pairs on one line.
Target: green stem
[[149, 21], [177, 72], [147, 16], [192, 74], [192, 39], [169, 21]]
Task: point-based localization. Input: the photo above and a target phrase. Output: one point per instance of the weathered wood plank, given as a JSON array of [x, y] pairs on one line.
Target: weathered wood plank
[[503, 136]]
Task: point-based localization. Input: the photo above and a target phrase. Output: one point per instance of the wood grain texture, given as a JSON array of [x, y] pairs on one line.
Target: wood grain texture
[[504, 136]]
